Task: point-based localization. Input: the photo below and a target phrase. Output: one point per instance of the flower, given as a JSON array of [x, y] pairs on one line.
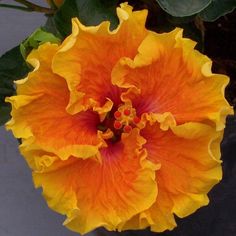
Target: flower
[[121, 128], [58, 3]]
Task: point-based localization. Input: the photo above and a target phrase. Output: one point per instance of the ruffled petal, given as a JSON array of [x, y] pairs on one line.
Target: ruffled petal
[[39, 111], [101, 193], [189, 156], [168, 75], [110, 117], [87, 56], [159, 217]]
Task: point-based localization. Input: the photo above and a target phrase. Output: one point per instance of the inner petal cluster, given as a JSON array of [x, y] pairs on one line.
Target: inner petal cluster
[[120, 120]]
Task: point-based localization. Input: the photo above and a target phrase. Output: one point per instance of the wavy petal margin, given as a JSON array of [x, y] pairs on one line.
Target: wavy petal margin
[[168, 162], [45, 96], [85, 59], [168, 75], [189, 155], [106, 193]]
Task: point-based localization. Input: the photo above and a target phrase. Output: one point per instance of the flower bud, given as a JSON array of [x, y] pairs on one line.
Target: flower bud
[[58, 3]]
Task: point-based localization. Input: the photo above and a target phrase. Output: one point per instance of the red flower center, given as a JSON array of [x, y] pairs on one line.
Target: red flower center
[[124, 119]]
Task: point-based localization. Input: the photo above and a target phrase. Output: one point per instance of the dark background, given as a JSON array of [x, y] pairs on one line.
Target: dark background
[[23, 211]]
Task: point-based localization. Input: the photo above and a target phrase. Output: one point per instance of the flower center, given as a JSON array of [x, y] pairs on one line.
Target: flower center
[[125, 118], [120, 120]]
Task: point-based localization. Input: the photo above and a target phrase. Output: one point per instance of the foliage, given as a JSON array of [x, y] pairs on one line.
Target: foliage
[[38, 37], [184, 7], [208, 10], [217, 8], [90, 12], [12, 67]]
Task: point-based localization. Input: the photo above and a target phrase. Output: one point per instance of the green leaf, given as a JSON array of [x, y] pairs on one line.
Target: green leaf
[[181, 8], [37, 38], [12, 67], [90, 12], [217, 9], [50, 27]]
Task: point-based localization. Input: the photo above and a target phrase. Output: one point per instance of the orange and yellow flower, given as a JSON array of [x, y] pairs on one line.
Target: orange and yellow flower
[[58, 3], [121, 128]]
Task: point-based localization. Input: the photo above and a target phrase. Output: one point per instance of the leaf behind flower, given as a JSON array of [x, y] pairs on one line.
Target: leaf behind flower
[[12, 67], [89, 12]]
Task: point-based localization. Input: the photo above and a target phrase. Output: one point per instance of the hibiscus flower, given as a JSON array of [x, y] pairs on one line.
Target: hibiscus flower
[[122, 128]]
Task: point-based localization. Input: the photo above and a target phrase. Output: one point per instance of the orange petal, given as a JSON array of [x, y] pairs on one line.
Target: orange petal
[[39, 111], [173, 77], [159, 216], [87, 56], [190, 166], [105, 193]]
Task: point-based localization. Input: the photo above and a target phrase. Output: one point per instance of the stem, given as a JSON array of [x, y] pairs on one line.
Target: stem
[[199, 23], [35, 7], [15, 7], [52, 4]]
